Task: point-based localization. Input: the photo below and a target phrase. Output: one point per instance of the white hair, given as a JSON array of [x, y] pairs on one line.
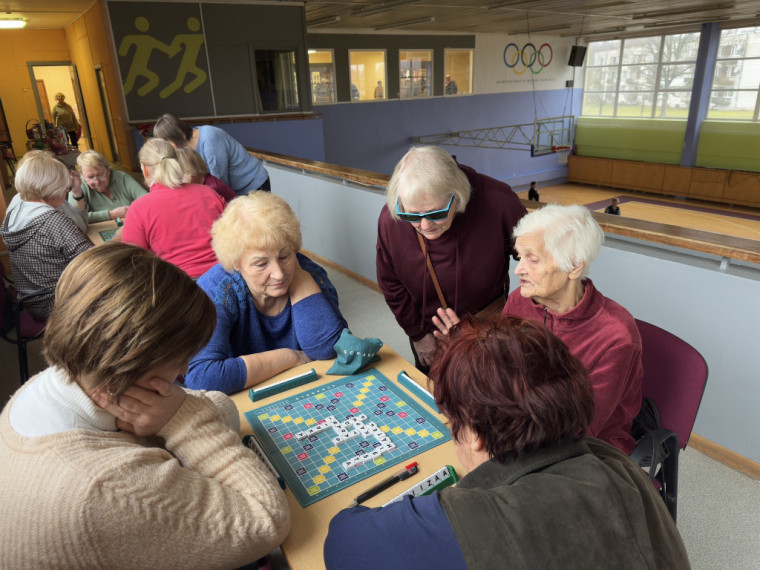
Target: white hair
[[428, 170], [571, 235]]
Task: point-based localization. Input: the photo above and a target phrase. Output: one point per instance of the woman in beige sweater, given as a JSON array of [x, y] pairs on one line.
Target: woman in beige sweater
[[107, 463]]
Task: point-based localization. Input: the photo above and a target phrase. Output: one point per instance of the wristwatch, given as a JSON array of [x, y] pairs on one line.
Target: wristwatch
[[78, 198]]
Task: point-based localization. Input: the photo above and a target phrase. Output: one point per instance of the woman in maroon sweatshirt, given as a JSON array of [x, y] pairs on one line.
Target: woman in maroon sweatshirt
[[463, 221]]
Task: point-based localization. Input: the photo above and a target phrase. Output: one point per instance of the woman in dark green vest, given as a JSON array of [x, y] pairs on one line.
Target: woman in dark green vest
[[538, 493]]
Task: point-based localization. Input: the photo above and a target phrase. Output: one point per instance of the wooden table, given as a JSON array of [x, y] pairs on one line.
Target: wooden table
[[94, 229], [303, 547]]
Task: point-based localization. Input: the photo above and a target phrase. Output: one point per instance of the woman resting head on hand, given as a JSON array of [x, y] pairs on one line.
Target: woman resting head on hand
[[80, 433], [275, 307]]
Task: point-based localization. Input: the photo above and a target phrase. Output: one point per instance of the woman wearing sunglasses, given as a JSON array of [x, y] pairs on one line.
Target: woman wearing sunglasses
[[443, 239]]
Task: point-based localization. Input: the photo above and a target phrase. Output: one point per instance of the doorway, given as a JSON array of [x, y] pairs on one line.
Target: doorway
[[51, 77]]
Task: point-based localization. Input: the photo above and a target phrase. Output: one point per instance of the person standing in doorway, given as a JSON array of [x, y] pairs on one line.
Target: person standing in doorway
[[379, 91], [63, 116]]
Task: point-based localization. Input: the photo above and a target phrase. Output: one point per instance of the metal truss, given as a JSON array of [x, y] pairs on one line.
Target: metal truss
[[543, 136]]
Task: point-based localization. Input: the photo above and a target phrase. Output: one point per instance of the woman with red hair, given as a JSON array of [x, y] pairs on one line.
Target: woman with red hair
[[538, 493]]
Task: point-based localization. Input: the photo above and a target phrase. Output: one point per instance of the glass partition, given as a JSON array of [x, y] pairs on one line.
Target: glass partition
[[367, 75], [416, 68], [457, 71], [322, 74]]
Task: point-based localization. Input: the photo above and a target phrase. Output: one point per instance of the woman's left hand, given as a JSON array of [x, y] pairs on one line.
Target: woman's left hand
[[445, 319], [145, 407]]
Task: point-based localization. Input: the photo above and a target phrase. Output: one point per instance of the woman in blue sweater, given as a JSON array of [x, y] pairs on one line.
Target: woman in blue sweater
[[275, 307], [226, 158]]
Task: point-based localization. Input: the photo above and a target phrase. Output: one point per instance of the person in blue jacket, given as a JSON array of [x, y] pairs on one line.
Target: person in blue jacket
[[275, 307], [537, 493], [226, 158]]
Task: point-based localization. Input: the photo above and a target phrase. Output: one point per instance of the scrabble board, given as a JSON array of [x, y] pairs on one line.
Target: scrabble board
[[107, 235], [328, 438]]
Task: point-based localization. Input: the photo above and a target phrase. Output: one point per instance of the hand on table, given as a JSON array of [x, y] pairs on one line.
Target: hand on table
[[444, 320], [119, 212], [145, 407], [425, 349]]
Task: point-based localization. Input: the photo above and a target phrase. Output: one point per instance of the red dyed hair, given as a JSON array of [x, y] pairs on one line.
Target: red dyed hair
[[513, 383]]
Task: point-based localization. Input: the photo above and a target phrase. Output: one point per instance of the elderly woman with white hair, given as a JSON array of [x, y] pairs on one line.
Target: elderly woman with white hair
[[444, 239], [174, 220], [42, 233], [556, 245], [275, 307], [107, 193]]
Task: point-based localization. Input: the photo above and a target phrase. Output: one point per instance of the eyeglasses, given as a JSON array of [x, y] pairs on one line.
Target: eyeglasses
[[434, 216]]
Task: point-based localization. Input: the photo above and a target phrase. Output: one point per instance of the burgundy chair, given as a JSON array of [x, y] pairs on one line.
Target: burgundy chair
[[675, 374], [17, 326]]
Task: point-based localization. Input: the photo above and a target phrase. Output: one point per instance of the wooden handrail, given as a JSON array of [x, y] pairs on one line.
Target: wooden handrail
[[740, 249]]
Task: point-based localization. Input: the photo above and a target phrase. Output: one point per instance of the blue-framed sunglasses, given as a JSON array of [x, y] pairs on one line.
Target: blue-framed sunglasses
[[434, 216]]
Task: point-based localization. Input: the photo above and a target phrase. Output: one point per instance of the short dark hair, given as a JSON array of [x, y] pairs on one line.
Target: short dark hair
[[533, 183], [172, 129], [513, 383], [121, 311]]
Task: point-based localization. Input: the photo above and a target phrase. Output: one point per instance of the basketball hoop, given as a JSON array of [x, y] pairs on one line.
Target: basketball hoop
[[562, 153]]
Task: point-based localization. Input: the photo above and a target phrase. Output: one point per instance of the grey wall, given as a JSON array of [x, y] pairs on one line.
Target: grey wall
[[717, 311]]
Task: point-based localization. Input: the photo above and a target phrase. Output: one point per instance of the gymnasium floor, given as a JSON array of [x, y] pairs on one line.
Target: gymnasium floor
[[735, 221]]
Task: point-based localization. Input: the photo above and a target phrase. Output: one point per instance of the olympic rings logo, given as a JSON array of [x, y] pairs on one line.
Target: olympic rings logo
[[528, 57]]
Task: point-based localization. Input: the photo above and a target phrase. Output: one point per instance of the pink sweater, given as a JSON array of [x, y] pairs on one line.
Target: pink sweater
[[603, 335], [174, 223]]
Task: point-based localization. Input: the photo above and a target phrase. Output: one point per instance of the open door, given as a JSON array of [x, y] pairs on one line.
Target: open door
[[51, 77]]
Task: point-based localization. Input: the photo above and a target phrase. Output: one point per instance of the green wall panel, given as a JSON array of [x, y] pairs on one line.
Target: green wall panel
[[734, 146], [648, 140]]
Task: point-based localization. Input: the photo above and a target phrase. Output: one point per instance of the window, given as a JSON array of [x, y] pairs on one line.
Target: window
[[322, 72], [640, 77], [457, 71], [276, 80], [416, 68], [367, 75], [735, 94]]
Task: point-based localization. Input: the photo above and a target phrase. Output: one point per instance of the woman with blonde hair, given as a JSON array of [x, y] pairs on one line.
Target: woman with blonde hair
[[275, 307], [107, 462], [196, 171], [174, 220], [42, 233], [107, 193]]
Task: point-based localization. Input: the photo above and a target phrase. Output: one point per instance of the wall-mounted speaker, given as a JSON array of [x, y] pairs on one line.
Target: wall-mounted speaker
[[577, 55]]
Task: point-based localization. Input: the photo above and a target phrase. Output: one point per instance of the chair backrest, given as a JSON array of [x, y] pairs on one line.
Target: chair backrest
[[675, 374], [7, 322]]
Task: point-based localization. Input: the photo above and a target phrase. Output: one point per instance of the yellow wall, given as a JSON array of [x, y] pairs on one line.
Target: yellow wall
[[89, 41], [19, 47], [86, 44]]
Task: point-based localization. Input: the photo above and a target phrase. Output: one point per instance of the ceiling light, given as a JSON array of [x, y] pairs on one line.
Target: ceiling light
[[687, 22], [384, 7], [508, 4], [539, 30], [678, 12], [12, 23], [598, 32], [323, 21], [427, 20]]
